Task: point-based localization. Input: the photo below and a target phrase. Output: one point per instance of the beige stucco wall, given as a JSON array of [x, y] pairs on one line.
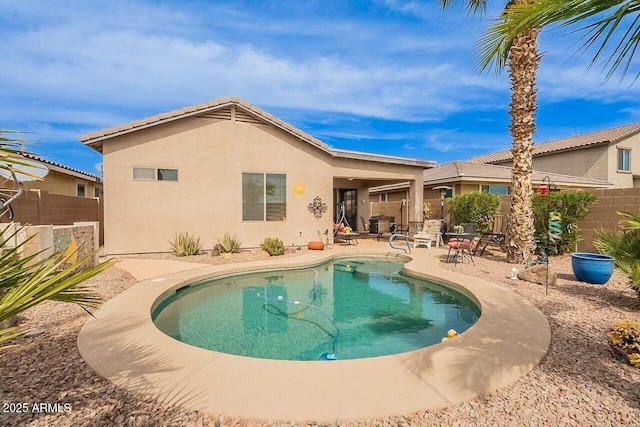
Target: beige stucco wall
[[56, 182], [587, 162], [622, 179], [141, 216]]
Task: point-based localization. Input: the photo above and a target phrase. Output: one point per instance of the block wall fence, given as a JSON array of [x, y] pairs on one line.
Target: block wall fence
[[39, 207]]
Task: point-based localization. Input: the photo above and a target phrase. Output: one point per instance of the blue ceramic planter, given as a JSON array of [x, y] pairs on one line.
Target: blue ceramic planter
[[592, 268]]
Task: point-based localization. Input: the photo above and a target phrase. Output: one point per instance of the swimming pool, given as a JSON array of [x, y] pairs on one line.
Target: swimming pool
[[346, 308]]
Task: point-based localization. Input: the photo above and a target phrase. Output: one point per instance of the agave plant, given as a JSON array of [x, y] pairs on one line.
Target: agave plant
[[27, 281], [228, 244], [185, 244], [623, 246]]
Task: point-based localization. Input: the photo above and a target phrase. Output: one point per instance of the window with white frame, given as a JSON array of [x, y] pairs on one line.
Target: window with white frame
[[264, 197], [383, 197], [624, 159], [80, 190], [155, 174]]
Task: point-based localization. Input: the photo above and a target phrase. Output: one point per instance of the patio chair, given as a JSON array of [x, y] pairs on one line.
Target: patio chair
[[495, 237], [463, 243], [430, 233]]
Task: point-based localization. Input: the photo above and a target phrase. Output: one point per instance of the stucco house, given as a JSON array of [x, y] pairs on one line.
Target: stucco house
[[611, 155], [227, 165], [66, 181], [465, 177]]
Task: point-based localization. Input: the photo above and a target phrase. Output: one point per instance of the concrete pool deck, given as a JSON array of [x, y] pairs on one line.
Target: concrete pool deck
[[122, 344]]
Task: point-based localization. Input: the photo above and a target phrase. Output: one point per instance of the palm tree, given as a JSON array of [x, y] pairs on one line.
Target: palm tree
[[523, 60], [609, 21]]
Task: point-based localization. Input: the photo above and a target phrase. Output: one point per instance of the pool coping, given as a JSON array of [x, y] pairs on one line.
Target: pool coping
[[121, 343]]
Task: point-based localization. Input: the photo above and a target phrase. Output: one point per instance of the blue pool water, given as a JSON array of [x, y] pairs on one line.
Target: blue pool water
[[348, 308]]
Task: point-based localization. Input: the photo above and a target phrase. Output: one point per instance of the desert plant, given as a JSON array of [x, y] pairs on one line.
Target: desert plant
[[624, 338], [426, 210], [273, 246], [624, 246], [228, 244], [475, 207], [185, 244], [27, 281], [569, 208]]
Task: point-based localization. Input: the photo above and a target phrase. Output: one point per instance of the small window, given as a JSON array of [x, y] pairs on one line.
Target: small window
[[97, 192], [144, 174], [167, 174], [624, 159], [501, 190], [153, 174], [383, 197], [264, 197], [80, 190]]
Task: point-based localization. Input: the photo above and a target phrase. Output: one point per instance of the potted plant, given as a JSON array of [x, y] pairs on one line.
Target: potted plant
[[592, 268], [624, 339]]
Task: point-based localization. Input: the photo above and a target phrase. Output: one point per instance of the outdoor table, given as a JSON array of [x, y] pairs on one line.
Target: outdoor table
[[348, 238]]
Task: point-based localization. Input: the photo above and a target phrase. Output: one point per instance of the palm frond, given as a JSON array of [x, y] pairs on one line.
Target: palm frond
[[472, 7], [8, 334], [607, 29]]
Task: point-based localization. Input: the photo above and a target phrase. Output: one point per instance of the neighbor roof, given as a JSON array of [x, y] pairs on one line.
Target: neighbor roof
[[59, 167], [606, 136], [95, 139], [458, 171]]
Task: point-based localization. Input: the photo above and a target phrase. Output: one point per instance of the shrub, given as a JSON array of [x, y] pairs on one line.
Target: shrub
[[572, 208], [475, 207], [624, 246], [184, 244], [273, 246], [228, 244]]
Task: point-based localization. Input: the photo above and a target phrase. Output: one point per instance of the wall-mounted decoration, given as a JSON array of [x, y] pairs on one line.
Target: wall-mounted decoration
[[317, 208], [298, 189]]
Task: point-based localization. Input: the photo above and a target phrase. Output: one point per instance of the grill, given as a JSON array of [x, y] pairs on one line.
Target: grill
[[380, 224]]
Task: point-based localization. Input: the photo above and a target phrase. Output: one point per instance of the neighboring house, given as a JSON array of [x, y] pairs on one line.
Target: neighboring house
[[465, 177], [611, 155], [230, 166], [66, 181]]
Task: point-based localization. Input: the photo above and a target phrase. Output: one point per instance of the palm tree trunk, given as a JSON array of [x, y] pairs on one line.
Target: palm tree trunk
[[523, 64]]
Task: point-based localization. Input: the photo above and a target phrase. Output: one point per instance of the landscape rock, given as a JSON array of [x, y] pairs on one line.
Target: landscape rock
[[538, 274]]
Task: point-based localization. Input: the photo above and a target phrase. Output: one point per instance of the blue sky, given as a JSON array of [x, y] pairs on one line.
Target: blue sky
[[390, 76]]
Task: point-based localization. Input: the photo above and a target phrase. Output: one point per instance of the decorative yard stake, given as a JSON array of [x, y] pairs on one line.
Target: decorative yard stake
[[317, 208], [554, 224]]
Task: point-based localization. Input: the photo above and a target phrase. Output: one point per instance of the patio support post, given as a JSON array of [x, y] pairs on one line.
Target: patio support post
[[416, 198]]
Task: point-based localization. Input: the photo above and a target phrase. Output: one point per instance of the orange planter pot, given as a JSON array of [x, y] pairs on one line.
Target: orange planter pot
[[315, 246]]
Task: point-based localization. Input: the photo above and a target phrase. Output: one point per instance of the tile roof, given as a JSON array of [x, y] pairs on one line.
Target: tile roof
[[94, 140], [65, 169], [448, 173], [606, 136]]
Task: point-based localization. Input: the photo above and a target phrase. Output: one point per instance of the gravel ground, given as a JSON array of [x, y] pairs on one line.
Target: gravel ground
[[578, 383]]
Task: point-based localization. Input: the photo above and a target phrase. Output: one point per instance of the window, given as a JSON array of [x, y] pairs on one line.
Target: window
[[167, 174], [264, 197], [153, 174], [97, 192], [501, 190], [80, 190], [624, 159], [383, 197]]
